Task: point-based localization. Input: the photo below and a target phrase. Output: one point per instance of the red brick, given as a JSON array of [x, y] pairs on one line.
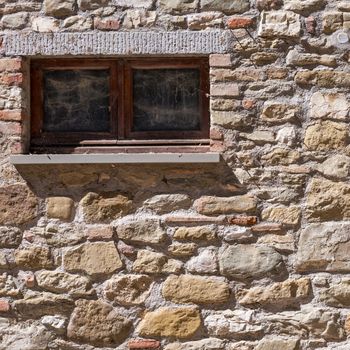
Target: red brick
[[11, 115], [267, 228], [248, 104], [239, 22], [217, 146], [220, 60], [242, 220], [216, 134], [10, 64], [107, 24], [12, 79], [4, 306], [144, 344], [10, 128]]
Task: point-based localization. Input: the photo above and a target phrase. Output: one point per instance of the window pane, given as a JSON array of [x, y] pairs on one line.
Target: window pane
[[166, 99], [76, 100]]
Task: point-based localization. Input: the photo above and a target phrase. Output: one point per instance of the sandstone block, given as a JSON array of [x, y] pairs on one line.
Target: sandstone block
[[224, 90], [283, 215], [171, 322], [98, 324], [244, 262], [323, 78], [165, 203], [105, 207], [329, 105], [182, 249], [100, 258], [204, 20], [178, 6], [88, 5], [208, 205], [327, 200], [220, 60], [229, 120], [59, 8], [324, 247], [194, 289], [278, 113], [16, 199], [97, 233], [128, 289], [61, 282], [45, 24], [281, 156], [149, 262], [337, 295], [60, 208], [196, 234], [36, 305], [287, 294], [281, 24], [141, 231], [326, 135], [34, 257], [332, 21], [237, 324], [226, 6]]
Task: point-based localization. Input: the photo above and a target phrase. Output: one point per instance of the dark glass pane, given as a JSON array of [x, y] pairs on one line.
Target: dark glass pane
[[76, 101], [166, 99]]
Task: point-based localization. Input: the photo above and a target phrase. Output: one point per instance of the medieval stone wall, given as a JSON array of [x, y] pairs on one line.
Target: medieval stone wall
[[251, 253]]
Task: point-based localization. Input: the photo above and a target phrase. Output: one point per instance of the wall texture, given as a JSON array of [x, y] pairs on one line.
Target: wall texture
[[252, 253]]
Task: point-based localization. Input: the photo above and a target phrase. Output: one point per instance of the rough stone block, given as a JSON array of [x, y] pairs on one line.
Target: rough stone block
[[60, 208]]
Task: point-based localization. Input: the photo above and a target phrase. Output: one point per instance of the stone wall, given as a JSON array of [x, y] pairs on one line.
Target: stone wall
[[252, 253]]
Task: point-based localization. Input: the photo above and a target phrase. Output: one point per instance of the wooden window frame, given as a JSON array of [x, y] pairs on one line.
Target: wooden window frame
[[120, 104]]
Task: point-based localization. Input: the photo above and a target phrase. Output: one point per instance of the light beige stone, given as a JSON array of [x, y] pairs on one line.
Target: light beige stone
[[295, 58], [95, 259], [329, 105], [178, 6], [170, 322], [60, 208], [324, 247], [327, 200], [8, 287], [204, 344], [282, 295], [278, 113], [165, 203], [105, 207], [278, 344], [98, 324], [88, 5], [338, 295], [15, 21], [280, 24], [326, 136], [226, 6], [194, 289], [196, 234], [141, 231], [337, 167], [285, 215], [128, 289], [281, 156], [209, 205], [283, 244], [61, 282]]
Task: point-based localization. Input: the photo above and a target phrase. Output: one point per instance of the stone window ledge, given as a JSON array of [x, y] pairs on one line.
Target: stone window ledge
[[136, 158]]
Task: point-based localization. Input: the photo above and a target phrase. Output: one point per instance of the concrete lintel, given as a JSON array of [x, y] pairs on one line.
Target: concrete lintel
[[120, 158], [181, 42]]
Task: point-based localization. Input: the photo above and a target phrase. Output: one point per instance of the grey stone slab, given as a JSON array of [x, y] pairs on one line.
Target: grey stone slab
[[117, 43], [142, 158]]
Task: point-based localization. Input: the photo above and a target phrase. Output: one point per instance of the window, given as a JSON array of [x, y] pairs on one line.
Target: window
[[107, 102]]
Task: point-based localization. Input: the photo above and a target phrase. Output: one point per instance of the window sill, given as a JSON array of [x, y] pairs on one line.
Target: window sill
[[126, 158]]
